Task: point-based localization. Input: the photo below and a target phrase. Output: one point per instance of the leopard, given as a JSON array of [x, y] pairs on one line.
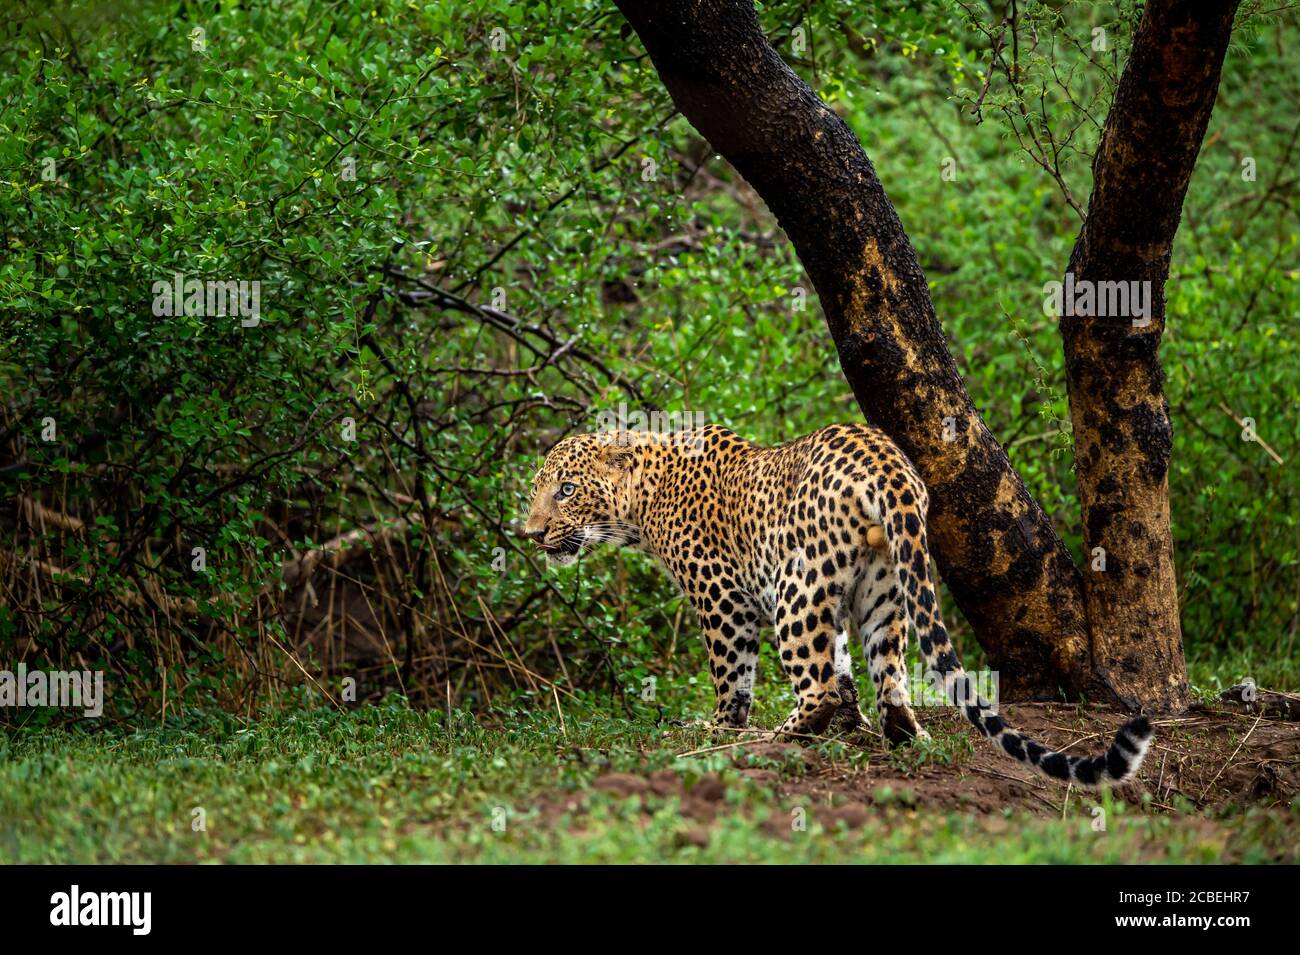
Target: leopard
[[807, 541]]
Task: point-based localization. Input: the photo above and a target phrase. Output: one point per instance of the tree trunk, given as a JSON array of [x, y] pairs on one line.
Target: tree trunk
[[1007, 570], [1122, 431]]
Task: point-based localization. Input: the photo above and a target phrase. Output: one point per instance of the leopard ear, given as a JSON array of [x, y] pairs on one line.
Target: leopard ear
[[615, 456]]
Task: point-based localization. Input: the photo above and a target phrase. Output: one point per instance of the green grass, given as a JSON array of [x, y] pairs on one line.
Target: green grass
[[388, 784]]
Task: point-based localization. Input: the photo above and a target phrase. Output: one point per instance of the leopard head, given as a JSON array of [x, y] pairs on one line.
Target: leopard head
[[582, 496]]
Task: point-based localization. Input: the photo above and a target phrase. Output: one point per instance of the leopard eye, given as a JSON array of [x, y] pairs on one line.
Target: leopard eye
[[566, 489]]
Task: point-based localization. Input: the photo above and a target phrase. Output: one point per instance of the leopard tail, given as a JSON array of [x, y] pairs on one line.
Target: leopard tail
[[911, 558]]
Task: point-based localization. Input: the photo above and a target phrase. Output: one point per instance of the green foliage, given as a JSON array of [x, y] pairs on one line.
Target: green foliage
[[387, 172]]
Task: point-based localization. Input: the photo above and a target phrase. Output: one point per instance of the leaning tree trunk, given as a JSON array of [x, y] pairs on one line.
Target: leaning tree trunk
[[1122, 432], [1008, 571]]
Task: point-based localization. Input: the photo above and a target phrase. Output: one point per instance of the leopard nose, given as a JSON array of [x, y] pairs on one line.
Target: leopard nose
[[535, 536]]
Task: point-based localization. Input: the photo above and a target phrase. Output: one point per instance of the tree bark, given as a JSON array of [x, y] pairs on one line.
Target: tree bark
[[1007, 570], [1122, 432]]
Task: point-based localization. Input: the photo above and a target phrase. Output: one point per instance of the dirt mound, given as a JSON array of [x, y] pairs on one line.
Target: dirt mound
[[1211, 757]]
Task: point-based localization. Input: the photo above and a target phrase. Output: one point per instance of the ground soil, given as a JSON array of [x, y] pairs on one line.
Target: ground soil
[[1213, 757]]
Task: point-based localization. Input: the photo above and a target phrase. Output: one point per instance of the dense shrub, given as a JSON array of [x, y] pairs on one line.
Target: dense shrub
[[473, 228]]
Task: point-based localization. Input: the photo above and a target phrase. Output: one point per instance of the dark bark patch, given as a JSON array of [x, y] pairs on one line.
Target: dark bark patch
[[1100, 517], [1154, 437]]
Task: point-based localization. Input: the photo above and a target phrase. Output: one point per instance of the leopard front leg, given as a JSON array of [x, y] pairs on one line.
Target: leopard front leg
[[807, 624], [730, 621], [883, 627], [848, 718]]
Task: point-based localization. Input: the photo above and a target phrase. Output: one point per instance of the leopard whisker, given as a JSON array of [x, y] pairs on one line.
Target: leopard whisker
[[605, 536]]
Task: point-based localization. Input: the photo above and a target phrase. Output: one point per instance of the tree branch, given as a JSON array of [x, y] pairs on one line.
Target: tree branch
[[1005, 566]]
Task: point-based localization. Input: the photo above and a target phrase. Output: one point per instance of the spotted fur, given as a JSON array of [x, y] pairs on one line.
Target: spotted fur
[[757, 536]]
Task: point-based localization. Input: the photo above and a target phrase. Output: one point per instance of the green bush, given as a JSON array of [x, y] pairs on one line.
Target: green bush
[[472, 230]]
